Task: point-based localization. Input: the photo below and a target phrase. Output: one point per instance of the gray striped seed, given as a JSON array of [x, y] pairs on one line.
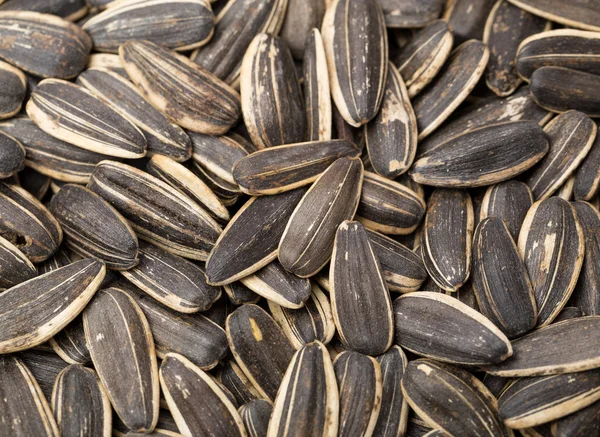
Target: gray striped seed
[[586, 295], [508, 201], [578, 13], [13, 91], [70, 10], [218, 154], [393, 414], [317, 96], [12, 156], [301, 17], [70, 343], [15, 267], [45, 366], [587, 175], [233, 378], [580, 424], [467, 18], [256, 415], [412, 13]]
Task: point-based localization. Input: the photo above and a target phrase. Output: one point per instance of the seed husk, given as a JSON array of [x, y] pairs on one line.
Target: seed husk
[[412, 13], [451, 86], [549, 90], [71, 113], [45, 366], [307, 243], [256, 415], [159, 214], [441, 327], [122, 350], [317, 96], [357, 61], [467, 18], [81, 406], [70, 343], [580, 424], [308, 390], [249, 242], [179, 25], [393, 414], [578, 13], [278, 169], [233, 378], [586, 296], [70, 10], [587, 175], [565, 347], [239, 294], [534, 401], [391, 137], [218, 154], [500, 280], [61, 258], [301, 17], [227, 192], [193, 396], [162, 136], [13, 91], [15, 267], [551, 244], [259, 347], [483, 156], [24, 411], [185, 92], [43, 45]]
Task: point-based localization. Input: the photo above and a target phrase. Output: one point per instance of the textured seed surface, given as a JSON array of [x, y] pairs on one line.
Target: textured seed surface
[[579, 13], [218, 154], [317, 97], [233, 378], [45, 366], [70, 343], [586, 295], [508, 201], [412, 13], [467, 18], [393, 414], [256, 415], [13, 90], [70, 10], [14, 265]]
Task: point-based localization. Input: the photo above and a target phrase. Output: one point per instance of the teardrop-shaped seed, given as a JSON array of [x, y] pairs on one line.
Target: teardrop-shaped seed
[[578, 13], [70, 10], [179, 25], [393, 415], [70, 343], [12, 155], [23, 409], [317, 96], [467, 18], [199, 405], [45, 366], [94, 228], [580, 424], [15, 268], [411, 13], [233, 378], [314, 321], [571, 136], [508, 201], [283, 168], [43, 45], [81, 406], [586, 295], [301, 16], [587, 175], [239, 294], [357, 60], [452, 85], [13, 91], [217, 154], [551, 243], [307, 402], [249, 242], [37, 309], [307, 243], [188, 94], [158, 214], [162, 136], [565, 347], [359, 382], [122, 351], [452, 399], [483, 156], [259, 347], [71, 113], [256, 415], [500, 280], [443, 328]]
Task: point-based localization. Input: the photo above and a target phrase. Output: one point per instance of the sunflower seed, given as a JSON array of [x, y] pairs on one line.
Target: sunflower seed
[[179, 25], [45, 366], [317, 97], [227, 192], [443, 328], [239, 294], [43, 45], [301, 18], [70, 10], [483, 156], [259, 347], [81, 406], [70, 343], [551, 243], [451, 399], [307, 242], [357, 60], [586, 295], [411, 13], [162, 136], [580, 424], [467, 18], [509, 201], [256, 415], [249, 242], [13, 90], [71, 113], [60, 259], [308, 390], [107, 61], [185, 92], [233, 378], [451, 86], [282, 168], [193, 396], [578, 13], [24, 411], [156, 212], [217, 154], [587, 175], [15, 267], [122, 350]]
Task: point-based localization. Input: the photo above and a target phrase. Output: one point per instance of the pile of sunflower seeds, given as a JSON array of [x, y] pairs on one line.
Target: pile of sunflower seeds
[[299, 218]]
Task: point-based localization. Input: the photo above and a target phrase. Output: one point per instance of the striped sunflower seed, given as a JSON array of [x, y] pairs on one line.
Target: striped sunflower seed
[[278, 169], [162, 136], [81, 406], [587, 175], [441, 327], [45, 366], [157, 213], [256, 415], [317, 96], [359, 382], [12, 156], [227, 192], [467, 18], [37, 309], [565, 347], [579, 13], [71, 113], [308, 390], [452, 399], [43, 45], [70, 10], [580, 424], [307, 242], [551, 244], [122, 351], [272, 101], [239, 294], [411, 13], [193, 396], [301, 17], [586, 296], [14, 90], [70, 343], [500, 280], [393, 414], [188, 94], [249, 242], [179, 25], [218, 155], [15, 267], [24, 411], [259, 347], [233, 378]]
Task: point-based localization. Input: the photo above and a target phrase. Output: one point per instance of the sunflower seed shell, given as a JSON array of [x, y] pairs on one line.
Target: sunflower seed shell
[[317, 96]]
